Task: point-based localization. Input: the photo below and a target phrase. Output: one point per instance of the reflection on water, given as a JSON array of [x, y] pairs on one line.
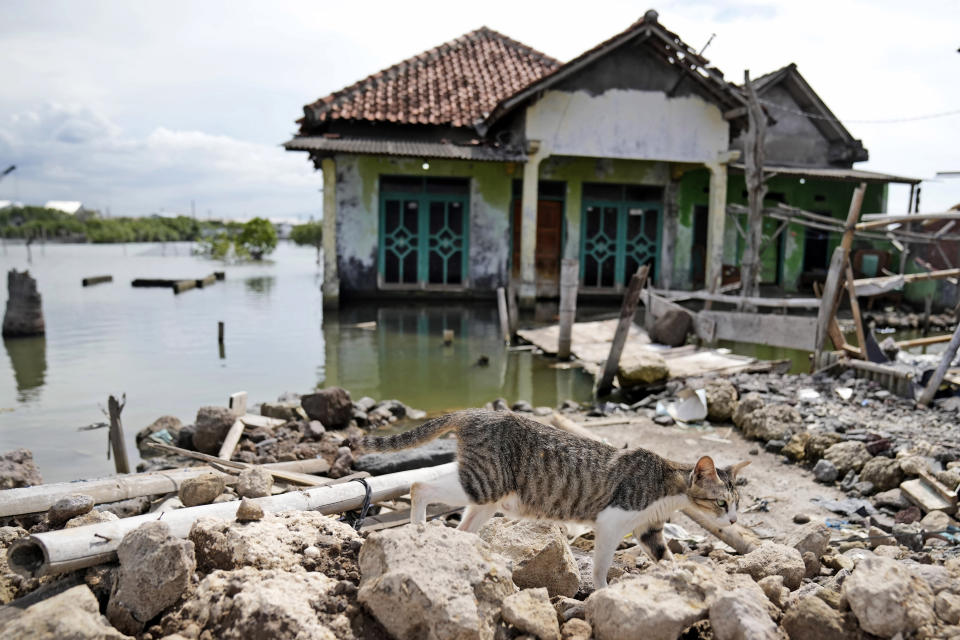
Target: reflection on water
[[398, 352], [28, 358], [260, 285]]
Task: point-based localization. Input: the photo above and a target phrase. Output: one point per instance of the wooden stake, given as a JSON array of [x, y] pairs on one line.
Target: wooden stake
[[941, 371], [220, 332], [569, 281], [855, 308], [504, 316], [117, 443], [627, 311], [231, 440]]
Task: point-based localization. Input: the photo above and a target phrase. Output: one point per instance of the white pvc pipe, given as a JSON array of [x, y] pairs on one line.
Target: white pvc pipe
[[70, 549]]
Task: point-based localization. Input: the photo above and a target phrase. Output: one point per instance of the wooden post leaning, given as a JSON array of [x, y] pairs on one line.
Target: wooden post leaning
[[504, 316], [117, 443], [948, 354], [627, 310]]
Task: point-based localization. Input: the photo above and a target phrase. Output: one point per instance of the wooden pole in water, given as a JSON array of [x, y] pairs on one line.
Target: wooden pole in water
[[512, 312], [504, 316], [569, 281], [941, 371], [116, 436], [627, 311], [220, 333]]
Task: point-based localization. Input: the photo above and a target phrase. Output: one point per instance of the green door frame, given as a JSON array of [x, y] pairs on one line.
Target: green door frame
[[623, 212], [424, 200]]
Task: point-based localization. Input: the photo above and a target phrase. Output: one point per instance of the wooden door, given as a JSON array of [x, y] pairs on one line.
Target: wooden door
[[549, 246]]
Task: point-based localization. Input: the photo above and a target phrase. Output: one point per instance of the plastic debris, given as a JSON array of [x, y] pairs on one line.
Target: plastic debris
[[845, 393]]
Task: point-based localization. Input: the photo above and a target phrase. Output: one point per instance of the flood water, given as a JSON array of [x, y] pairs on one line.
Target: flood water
[[161, 349]]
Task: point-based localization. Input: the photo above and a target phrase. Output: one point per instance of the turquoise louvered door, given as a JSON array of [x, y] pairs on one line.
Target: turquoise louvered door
[[423, 240], [617, 238]]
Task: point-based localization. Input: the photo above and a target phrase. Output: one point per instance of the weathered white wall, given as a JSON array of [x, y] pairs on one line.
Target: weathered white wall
[[628, 124]]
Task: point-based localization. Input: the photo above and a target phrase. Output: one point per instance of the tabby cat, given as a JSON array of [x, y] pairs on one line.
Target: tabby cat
[[517, 466]]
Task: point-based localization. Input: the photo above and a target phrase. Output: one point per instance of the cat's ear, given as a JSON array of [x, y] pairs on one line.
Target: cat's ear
[[704, 469], [735, 469]]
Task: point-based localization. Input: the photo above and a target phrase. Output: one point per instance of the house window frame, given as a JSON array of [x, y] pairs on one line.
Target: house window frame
[[424, 199]]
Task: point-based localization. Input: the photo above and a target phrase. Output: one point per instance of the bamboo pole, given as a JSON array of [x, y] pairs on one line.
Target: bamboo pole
[[914, 217], [569, 281], [629, 308], [923, 342], [909, 277], [117, 442], [24, 500], [80, 547], [286, 476], [941, 371]]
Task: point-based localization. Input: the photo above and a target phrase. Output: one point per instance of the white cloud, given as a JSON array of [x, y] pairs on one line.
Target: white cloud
[[70, 151]]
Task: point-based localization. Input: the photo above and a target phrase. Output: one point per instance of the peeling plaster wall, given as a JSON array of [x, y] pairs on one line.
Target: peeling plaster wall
[[628, 124], [358, 202]]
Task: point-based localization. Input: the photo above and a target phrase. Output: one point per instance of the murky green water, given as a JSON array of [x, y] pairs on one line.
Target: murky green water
[[161, 349]]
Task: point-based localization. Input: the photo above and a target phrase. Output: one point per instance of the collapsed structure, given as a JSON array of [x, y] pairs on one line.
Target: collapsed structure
[[484, 162]]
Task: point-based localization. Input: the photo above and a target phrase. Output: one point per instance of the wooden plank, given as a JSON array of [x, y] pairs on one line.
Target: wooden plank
[[117, 443], [915, 217], [790, 332], [627, 311], [238, 403], [569, 281], [948, 354], [855, 309], [184, 285], [231, 440], [826, 309], [206, 281], [253, 420], [919, 492], [908, 277], [923, 342]]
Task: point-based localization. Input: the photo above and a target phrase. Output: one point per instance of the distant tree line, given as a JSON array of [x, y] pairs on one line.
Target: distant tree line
[[35, 223]]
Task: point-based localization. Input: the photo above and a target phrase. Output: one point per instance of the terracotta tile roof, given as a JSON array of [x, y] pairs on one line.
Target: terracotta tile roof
[[454, 84]]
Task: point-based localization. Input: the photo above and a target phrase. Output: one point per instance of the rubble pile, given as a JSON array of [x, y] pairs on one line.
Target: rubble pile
[[883, 567]]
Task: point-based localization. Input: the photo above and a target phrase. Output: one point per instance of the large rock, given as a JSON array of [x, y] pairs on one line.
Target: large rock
[[289, 541], [796, 447], [331, 406], [202, 489], [664, 601], [24, 315], [747, 405], [91, 517], [428, 581], [638, 368], [212, 426], [250, 603], [539, 552], [167, 429], [811, 618], [739, 616], [773, 559], [819, 442], [69, 507], [947, 606], [17, 469], [671, 328], [887, 599], [289, 411], [530, 611], [813, 538], [254, 482], [155, 569], [71, 615], [721, 400], [884, 473], [771, 422], [825, 471], [848, 456], [429, 455]]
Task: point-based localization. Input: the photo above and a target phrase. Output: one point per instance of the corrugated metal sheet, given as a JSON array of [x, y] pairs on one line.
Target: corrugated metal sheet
[[408, 149], [824, 173]]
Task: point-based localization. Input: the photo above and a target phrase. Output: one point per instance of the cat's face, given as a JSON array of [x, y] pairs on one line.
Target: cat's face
[[714, 491]]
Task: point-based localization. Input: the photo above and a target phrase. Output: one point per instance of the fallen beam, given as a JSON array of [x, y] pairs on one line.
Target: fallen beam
[[907, 278], [80, 547], [915, 217], [96, 280], [24, 500], [923, 342]]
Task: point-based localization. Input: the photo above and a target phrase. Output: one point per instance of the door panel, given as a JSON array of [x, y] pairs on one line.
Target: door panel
[[549, 238]]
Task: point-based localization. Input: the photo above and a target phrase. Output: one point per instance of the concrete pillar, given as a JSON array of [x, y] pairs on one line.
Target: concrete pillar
[[716, 221], [331, 277], [527, 291]]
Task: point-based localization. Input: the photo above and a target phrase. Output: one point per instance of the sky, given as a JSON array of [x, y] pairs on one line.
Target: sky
[[136, 108]]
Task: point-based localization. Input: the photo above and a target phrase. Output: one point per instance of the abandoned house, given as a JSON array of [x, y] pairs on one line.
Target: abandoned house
[[484, 161]]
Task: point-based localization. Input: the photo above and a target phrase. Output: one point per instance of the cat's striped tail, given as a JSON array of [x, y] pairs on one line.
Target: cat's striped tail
[[414, 437]]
